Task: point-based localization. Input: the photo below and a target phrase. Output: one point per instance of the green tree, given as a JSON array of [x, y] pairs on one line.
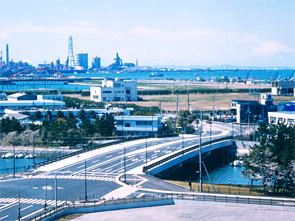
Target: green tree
[[92, 115], [60, 114], [38, 115], [270, 160]]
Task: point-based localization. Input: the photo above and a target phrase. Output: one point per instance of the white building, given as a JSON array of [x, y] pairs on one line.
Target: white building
[[114, 90], [137, 125], [23, 101], [287, 117]]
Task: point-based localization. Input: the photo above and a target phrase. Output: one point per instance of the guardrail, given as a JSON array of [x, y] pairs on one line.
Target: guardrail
[[173, 156], [70, 207]]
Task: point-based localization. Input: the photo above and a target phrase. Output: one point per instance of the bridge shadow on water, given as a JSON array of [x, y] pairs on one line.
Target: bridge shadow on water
[[189, 170]]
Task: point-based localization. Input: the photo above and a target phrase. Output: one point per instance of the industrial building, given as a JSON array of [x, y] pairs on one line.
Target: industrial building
[[114, 90], [96, 63], [252, 111], [283, 87], [138, 125], [82, 60], [23, 101]]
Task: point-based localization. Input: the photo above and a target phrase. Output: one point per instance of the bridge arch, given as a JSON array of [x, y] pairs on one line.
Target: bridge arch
[[38, 74]]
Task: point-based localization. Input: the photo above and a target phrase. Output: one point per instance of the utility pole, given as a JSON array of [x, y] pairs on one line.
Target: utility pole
[[33, 149], [18, 212], [85, 182], [145, 155], [55, 193], [160, 106], [124, 163], [176, 109], [188, 101], [213, 108], [200, 152], [13, 161], [45, 197]]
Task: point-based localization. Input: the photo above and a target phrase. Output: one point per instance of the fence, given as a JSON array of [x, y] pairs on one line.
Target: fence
[[99, 204]]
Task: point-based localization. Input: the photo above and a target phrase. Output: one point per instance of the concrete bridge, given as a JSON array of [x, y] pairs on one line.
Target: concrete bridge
[[114, 171]]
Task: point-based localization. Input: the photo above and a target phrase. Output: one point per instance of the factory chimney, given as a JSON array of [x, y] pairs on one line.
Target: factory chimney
[[7, 55]]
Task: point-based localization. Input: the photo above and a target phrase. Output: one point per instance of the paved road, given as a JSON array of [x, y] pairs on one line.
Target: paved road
[[104, 169]]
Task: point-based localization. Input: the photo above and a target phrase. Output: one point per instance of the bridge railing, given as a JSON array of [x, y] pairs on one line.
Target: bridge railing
[[98, 147], [70, 207], [181, 152]]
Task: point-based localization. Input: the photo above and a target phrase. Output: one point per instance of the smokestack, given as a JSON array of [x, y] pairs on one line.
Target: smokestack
[[0, 59], [7, 55]]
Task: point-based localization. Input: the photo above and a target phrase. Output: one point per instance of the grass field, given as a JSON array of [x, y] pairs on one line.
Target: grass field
[[197, 101], [219, 188]]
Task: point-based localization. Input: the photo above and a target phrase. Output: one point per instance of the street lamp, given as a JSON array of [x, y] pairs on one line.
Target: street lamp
[[13, 161], [200, 152], [124, 163], [85, 179], [145, 155], [183, 142], [200, 158]]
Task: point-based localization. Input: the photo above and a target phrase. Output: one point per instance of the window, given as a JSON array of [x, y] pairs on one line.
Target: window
[[95, 97], [272, 119], [104, 99], [117, 85], [119, 122], [118, 92], [127, 124], [107, 92], [143, 123], [290, 121], [280, 120]]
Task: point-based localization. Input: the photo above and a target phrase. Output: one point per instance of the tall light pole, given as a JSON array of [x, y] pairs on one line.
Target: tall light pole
[[85, 181], [45, 197], [85, 178], [200, 152], [146, 155], [55, 192], [124, 163], [33, 150], [182, 143], [13, 161]]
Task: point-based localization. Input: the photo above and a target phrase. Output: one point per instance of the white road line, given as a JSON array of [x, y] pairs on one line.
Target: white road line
[[4, 217], [81, 166], [140, 195], [26, 207]]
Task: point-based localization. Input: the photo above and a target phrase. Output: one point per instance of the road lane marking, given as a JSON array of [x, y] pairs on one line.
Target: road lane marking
[[4, 217], [26, 207]]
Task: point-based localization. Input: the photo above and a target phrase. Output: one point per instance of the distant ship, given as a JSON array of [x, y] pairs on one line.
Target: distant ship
[[156, 74], [69, 71]]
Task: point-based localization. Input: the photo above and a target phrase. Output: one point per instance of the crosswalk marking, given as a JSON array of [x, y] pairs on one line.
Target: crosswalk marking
[[31, 201], [75, 177]]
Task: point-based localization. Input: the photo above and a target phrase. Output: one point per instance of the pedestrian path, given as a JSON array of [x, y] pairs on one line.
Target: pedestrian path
[[74, 177], [31, 201]]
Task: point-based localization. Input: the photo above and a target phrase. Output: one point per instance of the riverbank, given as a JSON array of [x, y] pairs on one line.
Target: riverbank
[[238, 189], [30, 149]]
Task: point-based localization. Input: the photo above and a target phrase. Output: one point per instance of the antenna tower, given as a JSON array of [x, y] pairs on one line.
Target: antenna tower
[[71, 59], [7, 55]]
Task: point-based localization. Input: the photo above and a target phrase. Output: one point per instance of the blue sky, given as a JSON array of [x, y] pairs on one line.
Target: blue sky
[[156, 32]]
